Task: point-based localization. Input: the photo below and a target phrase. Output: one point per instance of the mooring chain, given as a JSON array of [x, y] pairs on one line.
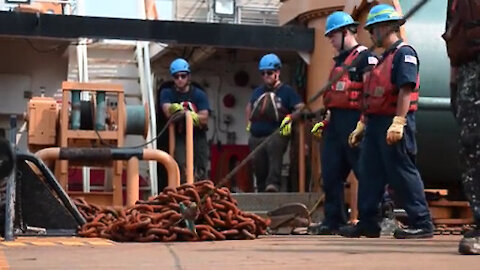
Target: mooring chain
[[160, 218]]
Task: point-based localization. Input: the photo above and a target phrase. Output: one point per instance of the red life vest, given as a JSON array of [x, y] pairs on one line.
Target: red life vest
[[380, 95], [345, 93]]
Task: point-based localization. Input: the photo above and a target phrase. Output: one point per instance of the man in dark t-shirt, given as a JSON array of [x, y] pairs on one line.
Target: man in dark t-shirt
[[270, 107], [184, 96]]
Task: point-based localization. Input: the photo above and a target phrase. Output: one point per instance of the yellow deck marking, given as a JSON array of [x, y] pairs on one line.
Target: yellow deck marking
[[51, 242], [42, 243], [3, 261], [14, 244], [71, 243], [98, 243]]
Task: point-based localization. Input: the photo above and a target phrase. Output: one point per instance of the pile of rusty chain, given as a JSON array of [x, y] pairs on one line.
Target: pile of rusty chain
[[447, 229], [159, 218]]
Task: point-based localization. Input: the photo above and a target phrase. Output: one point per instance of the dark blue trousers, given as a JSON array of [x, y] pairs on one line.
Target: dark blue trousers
[[338, 159], [382, 164]]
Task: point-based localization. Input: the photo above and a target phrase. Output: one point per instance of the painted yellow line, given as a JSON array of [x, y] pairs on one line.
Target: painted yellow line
[[3, 261], [50, 243], [71, 243], [98, 243], [42, 243], [13, 244]]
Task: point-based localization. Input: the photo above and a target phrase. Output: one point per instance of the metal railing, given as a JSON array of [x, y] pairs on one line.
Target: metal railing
[[68, 7], [258, 15], [244, 14]]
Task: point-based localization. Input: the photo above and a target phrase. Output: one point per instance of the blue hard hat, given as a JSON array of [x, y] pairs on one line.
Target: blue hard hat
[[179, 65], [269, 62], [382, 13], [337, 20]]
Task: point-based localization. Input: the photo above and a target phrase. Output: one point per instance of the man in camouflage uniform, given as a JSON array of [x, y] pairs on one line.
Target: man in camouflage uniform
[[464, 52], [468, 117]]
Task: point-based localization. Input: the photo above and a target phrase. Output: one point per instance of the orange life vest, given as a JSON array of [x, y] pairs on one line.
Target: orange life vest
[[380, 95], [345, 93]]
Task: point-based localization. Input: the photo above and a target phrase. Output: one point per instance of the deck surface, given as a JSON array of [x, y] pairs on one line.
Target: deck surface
[[269, 252]]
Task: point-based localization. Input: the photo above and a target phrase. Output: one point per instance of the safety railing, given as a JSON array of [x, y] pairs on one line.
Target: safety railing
[[188, 145], [257, 15], [132, 155], [244, 14]]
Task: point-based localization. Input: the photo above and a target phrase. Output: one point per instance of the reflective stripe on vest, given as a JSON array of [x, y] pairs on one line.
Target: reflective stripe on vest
[[380, 95], [345, 93]]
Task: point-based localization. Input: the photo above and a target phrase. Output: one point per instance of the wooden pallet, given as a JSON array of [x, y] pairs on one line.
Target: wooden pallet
[[450, 212]]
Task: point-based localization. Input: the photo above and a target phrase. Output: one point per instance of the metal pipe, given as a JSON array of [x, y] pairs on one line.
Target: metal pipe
[[171, 139], [170, 165], [11, 186], [153, 115], [53, 153], [133, 181], [434, 103], [189, 147], [301, 157], [47, 155], [144, 72]]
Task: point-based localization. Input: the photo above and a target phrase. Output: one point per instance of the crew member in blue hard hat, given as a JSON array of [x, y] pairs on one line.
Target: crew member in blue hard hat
[[269, 108], [342, 102], [183, 96], [389, 146]]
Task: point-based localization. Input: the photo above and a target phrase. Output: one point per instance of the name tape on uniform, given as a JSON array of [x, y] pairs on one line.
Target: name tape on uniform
[[410, 59]]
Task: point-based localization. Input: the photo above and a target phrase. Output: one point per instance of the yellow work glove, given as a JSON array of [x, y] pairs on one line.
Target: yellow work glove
[[356, 136], [286, 126], [175, 107], [318, 128], [195, 119], [395, 131], [248, 126]]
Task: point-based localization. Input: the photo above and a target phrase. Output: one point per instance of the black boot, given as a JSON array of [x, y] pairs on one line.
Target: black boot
[[322, 229], [413, 233], [356, 231], [470, 243]]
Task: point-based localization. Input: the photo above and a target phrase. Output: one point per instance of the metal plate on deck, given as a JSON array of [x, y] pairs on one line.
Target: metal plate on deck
[[261, 203]]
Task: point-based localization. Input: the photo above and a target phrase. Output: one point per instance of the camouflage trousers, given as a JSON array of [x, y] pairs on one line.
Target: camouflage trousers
[[468, 118]]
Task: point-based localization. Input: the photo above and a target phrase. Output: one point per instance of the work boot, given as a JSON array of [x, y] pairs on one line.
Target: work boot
[[470, 243], [357, 231], [412, 233], [322, 229], [271, 188]]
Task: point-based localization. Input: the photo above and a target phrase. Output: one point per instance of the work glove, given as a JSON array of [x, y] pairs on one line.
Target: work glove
[[248, 126], [195, 119], [286, 126], [318, 128], [175, 107], [395, 131], [356, 136]]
